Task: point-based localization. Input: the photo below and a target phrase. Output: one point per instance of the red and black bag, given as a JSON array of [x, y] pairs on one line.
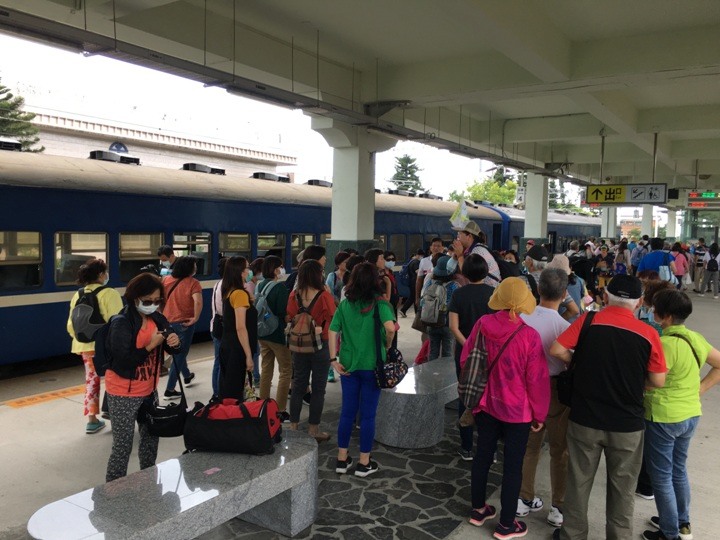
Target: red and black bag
[[233, 426]]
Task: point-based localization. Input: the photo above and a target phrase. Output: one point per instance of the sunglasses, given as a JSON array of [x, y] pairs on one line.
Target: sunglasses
[[391, 260], [151, 302]]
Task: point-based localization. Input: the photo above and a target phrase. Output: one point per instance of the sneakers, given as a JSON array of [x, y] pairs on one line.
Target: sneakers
[[655, 535], [331, 375], [187, 380], [685, 530], [516, 530], [94, 427], [366, 470], [172, 394], [341, 467], [645, 493], [403, 314], [465, 455], [555, 517], [284, 416], [525, 507], [478, 517], [701, 294]]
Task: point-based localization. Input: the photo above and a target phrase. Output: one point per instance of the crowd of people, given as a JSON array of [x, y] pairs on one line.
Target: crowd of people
[[612, 312]]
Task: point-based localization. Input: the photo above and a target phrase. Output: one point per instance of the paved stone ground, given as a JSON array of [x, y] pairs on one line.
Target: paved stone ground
[[416, 495]]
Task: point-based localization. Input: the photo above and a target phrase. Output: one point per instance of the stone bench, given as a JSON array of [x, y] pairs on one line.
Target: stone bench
[[184, 497], [412, 415]]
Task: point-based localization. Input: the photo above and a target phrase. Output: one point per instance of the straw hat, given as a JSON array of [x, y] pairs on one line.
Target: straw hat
[[513, 294]]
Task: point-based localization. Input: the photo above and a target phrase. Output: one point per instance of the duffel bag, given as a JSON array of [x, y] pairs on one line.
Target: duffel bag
[[234, 426]]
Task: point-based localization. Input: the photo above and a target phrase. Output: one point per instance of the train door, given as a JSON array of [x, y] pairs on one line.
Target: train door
[[496, 243], [552, 239]]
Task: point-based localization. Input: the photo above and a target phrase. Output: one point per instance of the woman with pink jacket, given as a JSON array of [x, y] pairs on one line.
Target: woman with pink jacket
[[515, 401]]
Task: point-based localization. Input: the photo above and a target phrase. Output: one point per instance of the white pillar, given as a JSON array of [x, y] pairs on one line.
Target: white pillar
[[608, 225], [647, 218], [536, 206], [671, 224]]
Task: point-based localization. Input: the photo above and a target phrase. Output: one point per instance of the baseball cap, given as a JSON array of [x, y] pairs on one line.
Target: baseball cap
[[470, 227], [538, 253], [530, 242], [624, 286]]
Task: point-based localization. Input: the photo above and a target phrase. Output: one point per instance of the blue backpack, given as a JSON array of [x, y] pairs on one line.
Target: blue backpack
[[267, 321], [403, 280]]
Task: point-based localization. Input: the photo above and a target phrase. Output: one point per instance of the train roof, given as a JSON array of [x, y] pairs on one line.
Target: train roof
[[32, 170], [553, 217]]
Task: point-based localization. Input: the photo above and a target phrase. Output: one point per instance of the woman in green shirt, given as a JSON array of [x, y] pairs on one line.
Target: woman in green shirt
[[672, 413], [355, 319]]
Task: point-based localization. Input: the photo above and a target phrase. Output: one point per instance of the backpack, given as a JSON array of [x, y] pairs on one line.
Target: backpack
[[434, 310], [267, 321], [403, 280], [103, 359], [301, 332], [506, 269], [620, 266], [86, 317], [712, 265]]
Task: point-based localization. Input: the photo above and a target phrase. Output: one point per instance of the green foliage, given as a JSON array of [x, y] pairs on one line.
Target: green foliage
[[635, 231], [14, 123], [457, 196], [405, 176], [492, 191]]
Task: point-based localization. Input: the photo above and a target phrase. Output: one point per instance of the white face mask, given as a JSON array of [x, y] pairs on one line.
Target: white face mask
[[452, 266], [165, 264], [282, 271], [107, 278], [146, 310], [389, 265]]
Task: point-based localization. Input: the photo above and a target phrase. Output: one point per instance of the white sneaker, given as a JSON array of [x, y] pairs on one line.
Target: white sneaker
[[525, 507], [555, 517]]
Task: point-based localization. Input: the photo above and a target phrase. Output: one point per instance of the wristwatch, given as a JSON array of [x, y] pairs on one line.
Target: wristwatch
[[334, 359]]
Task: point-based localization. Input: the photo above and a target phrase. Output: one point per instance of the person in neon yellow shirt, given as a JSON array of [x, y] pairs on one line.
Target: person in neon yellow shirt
[[673, 411]]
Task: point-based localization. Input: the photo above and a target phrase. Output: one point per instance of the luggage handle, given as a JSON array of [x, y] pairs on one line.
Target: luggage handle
[[205, 411]]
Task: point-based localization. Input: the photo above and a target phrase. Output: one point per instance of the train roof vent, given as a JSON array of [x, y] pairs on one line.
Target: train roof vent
[[201, 167], [10, 144], [107, 155], [483, 203], [402, 192], [430, 196], [321, 183], [271, 176]]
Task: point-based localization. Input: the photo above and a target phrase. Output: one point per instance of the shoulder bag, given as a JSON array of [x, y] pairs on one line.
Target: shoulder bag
[[691, 348], [217, 322], [389, 373], [165, 420], [564, 381]]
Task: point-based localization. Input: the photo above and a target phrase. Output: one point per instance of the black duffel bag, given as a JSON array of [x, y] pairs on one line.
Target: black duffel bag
[[233, 426]]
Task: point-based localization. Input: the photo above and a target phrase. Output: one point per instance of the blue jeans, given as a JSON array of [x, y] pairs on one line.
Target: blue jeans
[[666, 451], [440, 337], [359, 392], [185, 333]]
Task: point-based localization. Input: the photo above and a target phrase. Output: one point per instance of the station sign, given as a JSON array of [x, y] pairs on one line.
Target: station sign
[[703, 199], [626, 194]]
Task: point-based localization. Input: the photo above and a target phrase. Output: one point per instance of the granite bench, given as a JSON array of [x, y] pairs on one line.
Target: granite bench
[[412, 415], [184, 497]]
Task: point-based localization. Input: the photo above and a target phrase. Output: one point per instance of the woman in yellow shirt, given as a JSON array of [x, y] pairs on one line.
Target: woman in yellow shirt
[[93, 275]]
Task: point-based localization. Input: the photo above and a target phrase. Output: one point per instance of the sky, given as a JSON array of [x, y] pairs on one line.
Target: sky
[[58, 81]]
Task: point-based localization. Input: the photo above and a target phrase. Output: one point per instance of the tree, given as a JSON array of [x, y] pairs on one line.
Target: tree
[[635, 231], [15, 124], [553, 194], [457, 196], [492, 191], [405, 176]]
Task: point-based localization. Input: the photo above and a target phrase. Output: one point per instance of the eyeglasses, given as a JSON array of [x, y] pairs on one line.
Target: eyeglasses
[[391, 260], [151, 302]]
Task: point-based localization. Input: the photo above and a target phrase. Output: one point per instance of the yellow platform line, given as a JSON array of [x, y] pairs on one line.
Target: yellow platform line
[[47, 396]]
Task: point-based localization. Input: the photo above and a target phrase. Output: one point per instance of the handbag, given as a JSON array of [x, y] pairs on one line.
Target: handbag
[[217, 321], [564, 381], [233, 426], [166, 420], [249, 392], [475, 374], [665, 272], [389, 373], [417, 323]]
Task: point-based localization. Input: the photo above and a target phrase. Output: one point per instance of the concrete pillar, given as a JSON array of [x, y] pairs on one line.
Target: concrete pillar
[[647, 218], [671, 224], [536, 207], [608, 225], [353, 191]]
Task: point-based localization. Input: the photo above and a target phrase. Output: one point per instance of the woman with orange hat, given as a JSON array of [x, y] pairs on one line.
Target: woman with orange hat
[[515, 401]]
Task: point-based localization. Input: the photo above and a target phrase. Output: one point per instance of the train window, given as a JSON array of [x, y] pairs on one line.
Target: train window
[[271, 244], [19, 260], [73, 249], [397, 246], [382, 240], [415, 242], [234, 244], [136, 251], [324, 238], [196, 244], [298, 242]]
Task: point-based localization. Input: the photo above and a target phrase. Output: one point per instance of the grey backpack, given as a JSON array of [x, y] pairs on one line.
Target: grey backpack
[[434, 310], [86, 317], [267, 321]]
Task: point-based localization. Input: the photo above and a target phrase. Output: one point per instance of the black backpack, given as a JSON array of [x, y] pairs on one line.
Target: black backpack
[[86, 317], [712, 265], [506, 269], [103, 359]]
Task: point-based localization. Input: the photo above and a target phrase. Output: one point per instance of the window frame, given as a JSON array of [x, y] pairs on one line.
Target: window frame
[[56, 261]]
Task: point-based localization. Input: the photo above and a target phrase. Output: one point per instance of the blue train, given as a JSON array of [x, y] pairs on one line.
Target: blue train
[[58, 211]]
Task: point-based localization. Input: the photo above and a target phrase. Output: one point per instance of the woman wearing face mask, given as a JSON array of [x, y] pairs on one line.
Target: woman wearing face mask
[[183, 306], [93, 276], [135, 342], [273, 346]]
